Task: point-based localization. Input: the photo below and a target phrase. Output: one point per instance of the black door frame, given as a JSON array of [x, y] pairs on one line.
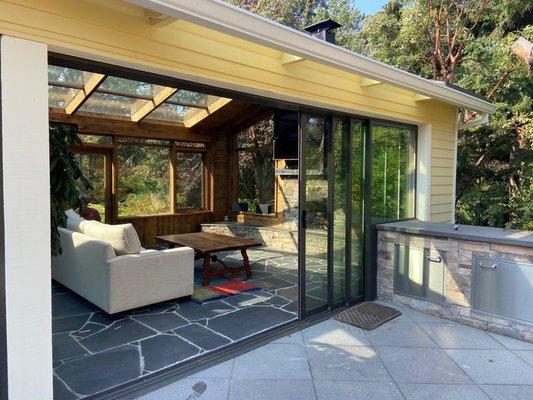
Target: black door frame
[[369, 259], [348, 299]]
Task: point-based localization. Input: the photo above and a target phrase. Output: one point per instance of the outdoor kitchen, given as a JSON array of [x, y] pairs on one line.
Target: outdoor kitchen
[[475, 275]]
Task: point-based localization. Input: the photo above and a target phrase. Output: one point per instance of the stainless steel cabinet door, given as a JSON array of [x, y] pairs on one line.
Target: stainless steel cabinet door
[[503, 288]]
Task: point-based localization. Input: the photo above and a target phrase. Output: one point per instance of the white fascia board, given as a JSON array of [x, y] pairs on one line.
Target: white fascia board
[[226, 18]]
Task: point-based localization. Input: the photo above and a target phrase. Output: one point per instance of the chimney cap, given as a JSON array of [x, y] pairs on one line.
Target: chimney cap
[[325, 25]]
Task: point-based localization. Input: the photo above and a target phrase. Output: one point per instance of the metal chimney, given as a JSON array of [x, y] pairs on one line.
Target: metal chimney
[[324, 30]]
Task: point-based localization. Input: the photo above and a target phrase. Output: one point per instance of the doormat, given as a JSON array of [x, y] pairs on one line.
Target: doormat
[[367, 315]]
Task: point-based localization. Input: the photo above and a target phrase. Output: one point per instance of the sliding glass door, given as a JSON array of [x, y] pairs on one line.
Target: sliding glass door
[[314, 175], [332, 159]]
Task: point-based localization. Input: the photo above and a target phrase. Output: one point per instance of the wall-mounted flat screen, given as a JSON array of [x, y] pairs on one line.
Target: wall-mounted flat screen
[[286, 135]]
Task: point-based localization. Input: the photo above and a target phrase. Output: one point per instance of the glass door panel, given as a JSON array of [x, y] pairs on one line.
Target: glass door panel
[[341, 166], [96, 168], [315, 205], [393, 172], [357, 196]]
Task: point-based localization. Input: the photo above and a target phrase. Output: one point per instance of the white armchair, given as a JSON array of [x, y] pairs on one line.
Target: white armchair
[[91, 268]]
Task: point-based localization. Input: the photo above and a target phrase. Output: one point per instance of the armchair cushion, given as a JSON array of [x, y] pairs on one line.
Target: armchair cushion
[[73, 220]]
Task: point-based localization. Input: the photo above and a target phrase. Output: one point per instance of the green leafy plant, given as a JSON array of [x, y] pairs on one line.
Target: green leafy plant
[[65, 173]]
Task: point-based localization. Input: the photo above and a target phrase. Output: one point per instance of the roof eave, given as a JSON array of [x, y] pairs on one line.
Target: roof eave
[[234, 21]]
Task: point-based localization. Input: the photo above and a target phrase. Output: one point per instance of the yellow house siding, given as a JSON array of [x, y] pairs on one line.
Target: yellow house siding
[[119, 33]]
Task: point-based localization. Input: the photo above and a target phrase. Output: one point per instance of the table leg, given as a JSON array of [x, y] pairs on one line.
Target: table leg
[[206, 273], [247, 266]]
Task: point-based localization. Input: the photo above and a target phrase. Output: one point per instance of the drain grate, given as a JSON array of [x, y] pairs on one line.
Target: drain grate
[[367, 315]]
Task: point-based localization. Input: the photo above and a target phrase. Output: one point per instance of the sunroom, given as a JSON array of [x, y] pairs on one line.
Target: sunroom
[[192, 122]]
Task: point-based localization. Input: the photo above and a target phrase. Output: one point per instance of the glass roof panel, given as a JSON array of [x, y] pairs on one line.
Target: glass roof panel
[[129, 87], [59, 97], [189, 97], [169, 112], [67, 76], [103, 103]]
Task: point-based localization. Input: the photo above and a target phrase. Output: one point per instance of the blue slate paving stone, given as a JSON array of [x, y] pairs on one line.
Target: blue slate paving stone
[[69, 304], [61, 392], [88, 330], [271, 283], [248, 321], [69, 324], [121, 332], [66, 347], [193, 311], [202, 337], [161, 322], [164, 350], [101, 371]]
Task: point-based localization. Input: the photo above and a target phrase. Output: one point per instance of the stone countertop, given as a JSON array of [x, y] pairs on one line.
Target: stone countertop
[[510, 237]]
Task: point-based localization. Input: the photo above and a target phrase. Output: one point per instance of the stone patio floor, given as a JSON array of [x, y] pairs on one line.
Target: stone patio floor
[[414, 357]]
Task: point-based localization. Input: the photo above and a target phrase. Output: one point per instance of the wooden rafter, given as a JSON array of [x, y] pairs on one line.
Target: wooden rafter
[[81, 97], [158, 20], [200, 115], [421, 97], [159, 98], [365, 82], [287, 58]]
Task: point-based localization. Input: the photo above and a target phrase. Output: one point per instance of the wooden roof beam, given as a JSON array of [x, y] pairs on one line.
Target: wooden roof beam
[[421, 97], [159, 98], [366, 82], [158, 20], [200, 115], [287, 58], [81, 97]]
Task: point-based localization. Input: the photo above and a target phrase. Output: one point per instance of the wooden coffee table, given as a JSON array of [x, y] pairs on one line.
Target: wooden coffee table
[[207, 244]]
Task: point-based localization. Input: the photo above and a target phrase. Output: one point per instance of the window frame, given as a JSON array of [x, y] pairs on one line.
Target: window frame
[[174, 148]]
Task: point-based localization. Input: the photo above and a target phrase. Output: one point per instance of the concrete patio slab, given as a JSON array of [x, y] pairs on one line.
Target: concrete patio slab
[[190, 388], [327, 390], [400, 334], [273, 361], [508, 392], [346, 363], [493, 366], [442, 392], [335, 333], [269, 389], [454, 336], [418, 365]]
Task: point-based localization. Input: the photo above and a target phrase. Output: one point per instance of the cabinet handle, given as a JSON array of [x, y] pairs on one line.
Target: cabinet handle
[[437, 259], [487, 266]]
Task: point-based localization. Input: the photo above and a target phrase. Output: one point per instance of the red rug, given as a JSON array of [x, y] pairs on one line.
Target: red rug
[[232, 287]]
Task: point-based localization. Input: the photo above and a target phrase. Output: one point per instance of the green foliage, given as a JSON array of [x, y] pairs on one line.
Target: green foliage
[[143, 180], [65, 174]]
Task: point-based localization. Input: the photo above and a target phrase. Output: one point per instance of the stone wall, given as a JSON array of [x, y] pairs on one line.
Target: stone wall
[[457, 279], [275, 238]]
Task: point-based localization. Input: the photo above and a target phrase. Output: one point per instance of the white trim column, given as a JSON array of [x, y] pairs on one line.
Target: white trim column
[[423, 181], [26, 217]]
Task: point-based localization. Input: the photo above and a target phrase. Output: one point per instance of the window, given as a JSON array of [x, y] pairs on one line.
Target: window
[[393, 172], [144, 171], [255, 167], [189, 180]]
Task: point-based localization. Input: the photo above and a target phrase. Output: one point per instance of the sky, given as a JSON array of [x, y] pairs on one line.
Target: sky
[[369, 6]]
